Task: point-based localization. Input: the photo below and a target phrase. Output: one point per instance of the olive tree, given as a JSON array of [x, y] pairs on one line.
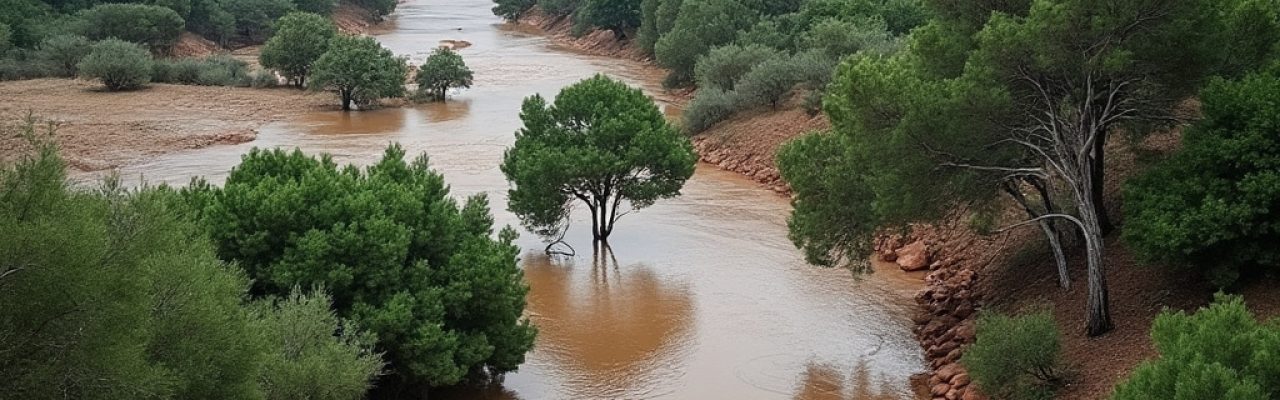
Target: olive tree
[[120, 65], [154, 26], [600, 143], [300, 39], [444, 69], [360, 70]]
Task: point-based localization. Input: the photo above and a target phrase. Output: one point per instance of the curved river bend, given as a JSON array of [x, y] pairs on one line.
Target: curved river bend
[[703, 297]]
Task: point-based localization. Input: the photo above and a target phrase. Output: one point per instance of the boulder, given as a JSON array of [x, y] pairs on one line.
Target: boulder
[[971, 394], [913, 257], [949, 371], [940, 390], [960, 380]]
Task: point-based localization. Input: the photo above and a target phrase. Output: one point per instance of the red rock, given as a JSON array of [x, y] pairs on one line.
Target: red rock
[[953, 394], [948, 371], [960, 380], [971, 394], [939, 389], [913, 257]]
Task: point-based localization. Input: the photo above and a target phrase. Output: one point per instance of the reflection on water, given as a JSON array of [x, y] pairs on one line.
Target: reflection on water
[[703, 296]]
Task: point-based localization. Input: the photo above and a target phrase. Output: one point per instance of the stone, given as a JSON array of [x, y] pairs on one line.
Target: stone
[[948, 371], [913, 257], [971, 394], [940, 389], [953, 394], [960, 380]]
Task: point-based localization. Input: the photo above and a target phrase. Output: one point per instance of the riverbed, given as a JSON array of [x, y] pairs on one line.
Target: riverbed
[[701, 297]]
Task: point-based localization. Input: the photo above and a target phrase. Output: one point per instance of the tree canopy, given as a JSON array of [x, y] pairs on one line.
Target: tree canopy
[[153, 26], [399, 256], [600, 143], [120, 65], [299, 40], [443, 70], [360, 70]]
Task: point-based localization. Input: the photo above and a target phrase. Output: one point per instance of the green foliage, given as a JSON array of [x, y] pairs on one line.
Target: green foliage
[[769, 32], [64, 52], [511, 9], [559, 7], [1016, 357], [215, 70], [769, 82], [6, 38], [723, 66], [1216, 203], [665, 17], [839, 38], [299, 40], [120, 65], [263, 79], [618, 16], [24, 19], [379, 8], [900, 16], [209, 19], [309, 361], [360, 70], [321, 7], [112, 294], [399, 256], [701, 26], [1220, 352], [832, 201], [254, 20], [152, 26], [601, 142], [647, 35], [444, 69], [25, 64], [710, 106]]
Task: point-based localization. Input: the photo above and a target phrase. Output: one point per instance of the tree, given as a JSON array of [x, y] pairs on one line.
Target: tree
[[1028, 107], [723, 66], [65, 51], [321, 7], [6, 37], [600, 143], [1214, 203], [510, 10], [255, 19], [400, 257], [360, 70], [1219, 352], [443, 70], [647, 35], [769, 82], [1016, 357], [209, 19], [300, 39], [379, 8], [115, 294], [153, 26], [701, 25], [839, 38], [618, 16], [120, 65]]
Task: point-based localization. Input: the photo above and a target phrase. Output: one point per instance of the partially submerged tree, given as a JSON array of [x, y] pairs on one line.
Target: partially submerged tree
[[300, 39], [443, 70], [600, 143], [360, 70], [988, 97]]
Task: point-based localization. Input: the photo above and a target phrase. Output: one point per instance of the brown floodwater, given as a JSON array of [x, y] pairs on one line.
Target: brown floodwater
[[701, 297]]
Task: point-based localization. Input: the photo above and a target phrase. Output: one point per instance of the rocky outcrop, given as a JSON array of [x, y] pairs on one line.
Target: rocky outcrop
[[757, 167]]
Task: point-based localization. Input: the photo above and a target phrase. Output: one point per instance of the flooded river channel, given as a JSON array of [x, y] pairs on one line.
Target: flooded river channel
[[703, 296]]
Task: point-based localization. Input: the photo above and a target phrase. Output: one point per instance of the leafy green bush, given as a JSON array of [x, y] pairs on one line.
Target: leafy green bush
[[647, 34], [299, 40], [619, 16], [209, 19], [723, 66], [263, 79], [112, 294], [255, 19], [64, 52], [1216, 203], [511, 9], [1220, 352], [156, 27], [6, 37], [769, 82], [839, 38], [319, 7], [1016, 357], [708, 107], [215, 70], [768, 33], [444, 69], [693, 35], [120, 65], [25, 64], [400, 257], [559, 7]]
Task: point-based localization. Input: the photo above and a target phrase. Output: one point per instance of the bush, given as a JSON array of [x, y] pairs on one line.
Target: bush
[[209, 19], [156, 27], [120, 65], [263, 79], [6, 37], [215, 70], [1213, 205], [768, 33], [64, 52], [255, 19], [618, 16], [694, 34], [723, 66], [310, 361], [769, 82], [319, 7], [511, 9], [559, 7], [1220, 352], [25, 64], [709, 107], [1016, 357], [379, 8], [299, 41], [839, 38], [400, 257]]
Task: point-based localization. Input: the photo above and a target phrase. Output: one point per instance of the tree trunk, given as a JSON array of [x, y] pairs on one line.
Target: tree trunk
[[346, 99], [1099, 184], [1099, 318], [1046, 226]]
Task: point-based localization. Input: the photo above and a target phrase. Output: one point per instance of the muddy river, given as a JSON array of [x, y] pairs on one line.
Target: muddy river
[[703, 297]]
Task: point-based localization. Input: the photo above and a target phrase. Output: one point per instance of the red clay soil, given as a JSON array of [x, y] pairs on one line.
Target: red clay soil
[[596, 42], [747, 142]]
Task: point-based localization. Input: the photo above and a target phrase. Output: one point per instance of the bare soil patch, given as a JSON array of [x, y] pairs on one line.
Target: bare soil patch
[[100, 130]]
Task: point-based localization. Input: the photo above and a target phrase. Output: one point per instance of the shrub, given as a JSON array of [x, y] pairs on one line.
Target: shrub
[[379, 8], [156, 27], [319, 7], [120, 65], [693, 35], [25, 64], [769, 82], [1016, 357], [723, 66], [709, 107], [559, 7], [6, 37], [443, 70], [1214, 204], [209, 19], [618, 16], [1220, 352], [263, 79], [310, 361], [255, 19], [215, 70], [647, 34], [768, 33], [839, 38], [64, 52]]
